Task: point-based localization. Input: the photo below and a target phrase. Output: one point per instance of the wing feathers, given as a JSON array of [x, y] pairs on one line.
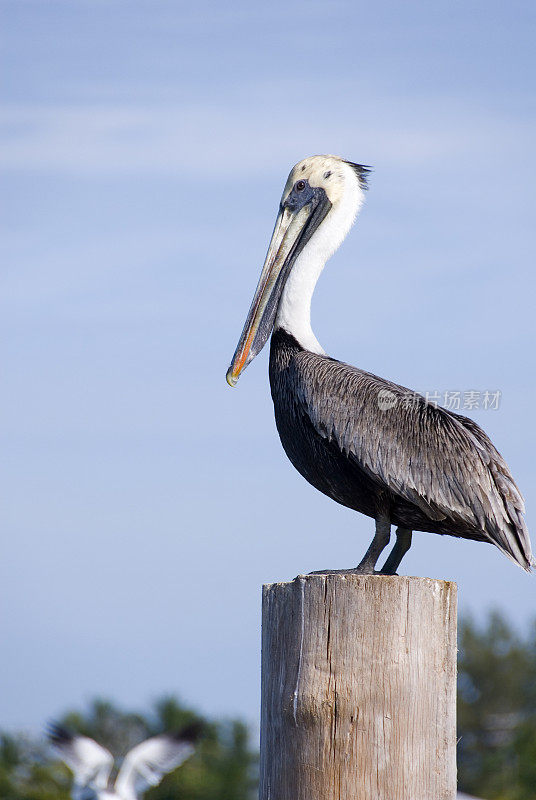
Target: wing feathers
[[90, 763], [146, 764], [442, 462]]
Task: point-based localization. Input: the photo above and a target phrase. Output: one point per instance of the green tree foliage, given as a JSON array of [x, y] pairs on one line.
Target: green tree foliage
[[497, 710], [223, 768]]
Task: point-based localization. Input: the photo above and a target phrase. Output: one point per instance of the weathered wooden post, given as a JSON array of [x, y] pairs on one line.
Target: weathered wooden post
[[358, 689]]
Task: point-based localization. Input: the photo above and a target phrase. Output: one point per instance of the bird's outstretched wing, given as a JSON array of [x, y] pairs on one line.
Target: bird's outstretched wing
[[90, 763], [441, 462], [145, 765]]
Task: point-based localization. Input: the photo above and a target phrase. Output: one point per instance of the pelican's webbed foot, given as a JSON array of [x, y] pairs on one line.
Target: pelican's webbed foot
[[367, 565], [350, 571]]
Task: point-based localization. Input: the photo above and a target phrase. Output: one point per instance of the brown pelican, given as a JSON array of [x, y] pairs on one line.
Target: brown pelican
[[352, 435], [144, 766]]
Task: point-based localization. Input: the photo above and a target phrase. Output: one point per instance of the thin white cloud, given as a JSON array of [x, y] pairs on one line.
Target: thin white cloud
[[128, 139]]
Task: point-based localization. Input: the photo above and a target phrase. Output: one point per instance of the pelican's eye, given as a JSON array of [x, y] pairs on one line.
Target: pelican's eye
[[302, 194]]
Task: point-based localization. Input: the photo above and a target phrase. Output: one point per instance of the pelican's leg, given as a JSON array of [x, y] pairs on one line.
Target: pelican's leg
[[378, 544], [403, 543], [367, 564]]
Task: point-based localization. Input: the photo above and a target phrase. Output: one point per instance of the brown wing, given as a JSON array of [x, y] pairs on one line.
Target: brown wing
[[442, 462]]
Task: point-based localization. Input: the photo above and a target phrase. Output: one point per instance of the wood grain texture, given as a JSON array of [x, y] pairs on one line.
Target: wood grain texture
[[358, 689]]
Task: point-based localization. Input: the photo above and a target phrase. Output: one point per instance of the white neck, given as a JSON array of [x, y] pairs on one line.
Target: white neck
[[294, 311]]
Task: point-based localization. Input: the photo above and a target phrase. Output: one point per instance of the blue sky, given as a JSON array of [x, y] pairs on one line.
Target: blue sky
[[144, 147]]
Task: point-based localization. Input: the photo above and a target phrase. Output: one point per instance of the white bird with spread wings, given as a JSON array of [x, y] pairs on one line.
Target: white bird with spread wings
[[144, 766]]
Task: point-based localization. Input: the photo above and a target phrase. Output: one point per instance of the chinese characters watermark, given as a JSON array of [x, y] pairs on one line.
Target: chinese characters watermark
[[451, 400]]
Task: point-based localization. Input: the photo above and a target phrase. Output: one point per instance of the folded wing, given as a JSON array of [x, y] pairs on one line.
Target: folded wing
[[441, 462]]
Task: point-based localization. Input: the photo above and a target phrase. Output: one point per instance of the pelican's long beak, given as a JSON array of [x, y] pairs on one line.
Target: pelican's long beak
[[292, 231]]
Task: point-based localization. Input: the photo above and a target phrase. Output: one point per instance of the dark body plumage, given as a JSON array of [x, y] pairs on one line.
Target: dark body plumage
[[425, 468]]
